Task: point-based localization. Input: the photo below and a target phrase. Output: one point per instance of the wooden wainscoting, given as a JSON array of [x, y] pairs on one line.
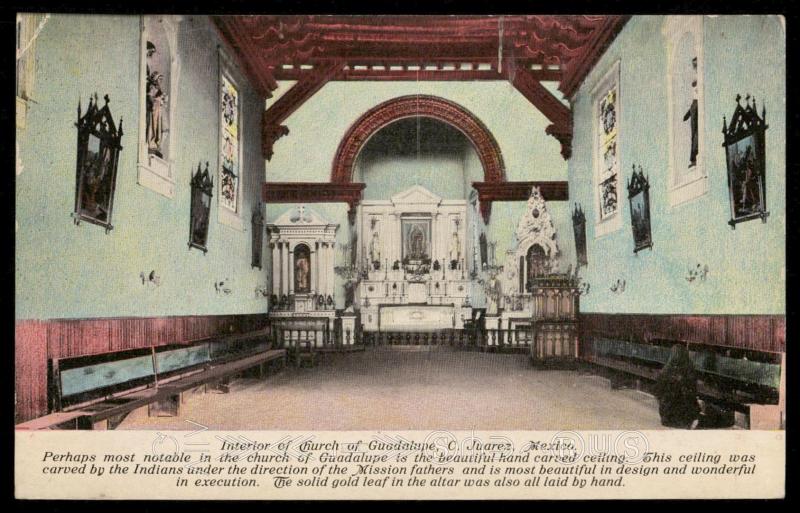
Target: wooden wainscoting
[[37, 341], [762, 333]]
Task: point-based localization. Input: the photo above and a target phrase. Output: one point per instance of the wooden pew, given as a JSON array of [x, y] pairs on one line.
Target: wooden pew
[[706, 388], [161, 395]]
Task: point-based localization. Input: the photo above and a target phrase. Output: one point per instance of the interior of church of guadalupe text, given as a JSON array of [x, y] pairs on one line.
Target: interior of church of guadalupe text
[[335, 222]]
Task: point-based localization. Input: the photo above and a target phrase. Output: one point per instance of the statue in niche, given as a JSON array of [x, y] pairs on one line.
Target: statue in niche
[[691, 116], [455, 251], [417, 243], [375, 251], [301, 269], [156, 102]]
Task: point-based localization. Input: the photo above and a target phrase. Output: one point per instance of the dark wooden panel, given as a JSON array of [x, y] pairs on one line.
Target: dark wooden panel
[[521, 191], [30, 370], [752, 332], [36, 341]]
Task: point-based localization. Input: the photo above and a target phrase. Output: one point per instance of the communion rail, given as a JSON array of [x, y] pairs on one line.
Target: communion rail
[[314, 333], [517, 339]]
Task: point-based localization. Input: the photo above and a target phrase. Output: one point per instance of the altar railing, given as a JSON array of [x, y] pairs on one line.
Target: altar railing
[[313, 333]]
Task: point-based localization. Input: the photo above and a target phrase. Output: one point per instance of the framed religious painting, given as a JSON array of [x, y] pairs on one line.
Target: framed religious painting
[[745, 156], [99, 144], [484, 249], [202, 192], [257, 228], [639, 197], [579, 229], [416, 234]]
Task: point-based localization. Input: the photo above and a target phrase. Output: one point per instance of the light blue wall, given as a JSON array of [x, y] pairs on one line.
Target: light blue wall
[[63, 270], [743, 54], [441, 174], [416, 151], [529, 154]]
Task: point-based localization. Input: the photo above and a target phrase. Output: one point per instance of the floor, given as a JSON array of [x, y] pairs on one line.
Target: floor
[[414, 388]]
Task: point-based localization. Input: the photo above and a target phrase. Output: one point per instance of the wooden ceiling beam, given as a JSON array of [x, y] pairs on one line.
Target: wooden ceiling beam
[[255, 69], [521, 191], [489, 192], [272, 128], [314, 192], [400, 75], [560, 115], [577, 69]]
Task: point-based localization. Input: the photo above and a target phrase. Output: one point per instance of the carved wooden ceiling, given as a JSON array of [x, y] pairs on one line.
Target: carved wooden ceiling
[[547, 47], [524, 50]]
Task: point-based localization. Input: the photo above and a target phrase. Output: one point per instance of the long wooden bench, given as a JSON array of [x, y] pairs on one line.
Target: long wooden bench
[[165, 400], [162, 395], [705, 388]]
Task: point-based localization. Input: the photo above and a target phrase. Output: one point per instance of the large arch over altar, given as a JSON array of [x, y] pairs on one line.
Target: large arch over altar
[[423, 106]]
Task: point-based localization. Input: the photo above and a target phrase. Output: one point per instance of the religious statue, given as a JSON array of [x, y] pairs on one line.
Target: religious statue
[[455, 251], [301, 273], [417, 244], [375, 251], [494, 290], [691, 116], [156, 105]]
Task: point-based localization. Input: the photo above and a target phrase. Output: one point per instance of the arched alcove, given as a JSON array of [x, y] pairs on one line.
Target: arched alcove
[[302, 271]]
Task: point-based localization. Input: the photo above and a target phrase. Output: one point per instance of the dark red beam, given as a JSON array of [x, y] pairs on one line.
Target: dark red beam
[[559, 114], [489, 192], [577, 69], [399, 75], [312, 192], [521, 191], [255, 68], [305, 88]]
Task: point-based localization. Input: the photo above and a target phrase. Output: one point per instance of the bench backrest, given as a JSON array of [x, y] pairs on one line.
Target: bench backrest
[[762, 373], [85, 378]]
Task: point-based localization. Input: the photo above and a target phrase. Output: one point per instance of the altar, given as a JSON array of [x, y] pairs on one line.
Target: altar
[[416, 249]]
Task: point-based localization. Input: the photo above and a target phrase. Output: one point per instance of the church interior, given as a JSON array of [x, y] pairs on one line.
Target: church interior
[[340, 222]]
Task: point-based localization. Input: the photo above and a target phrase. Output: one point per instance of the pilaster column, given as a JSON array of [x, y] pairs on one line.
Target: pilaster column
[[320, 268], [276, 268], [284, 267], [329, 280], [291, 271], [396, 238], [323, 267], [312, 267], [437, 235]]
